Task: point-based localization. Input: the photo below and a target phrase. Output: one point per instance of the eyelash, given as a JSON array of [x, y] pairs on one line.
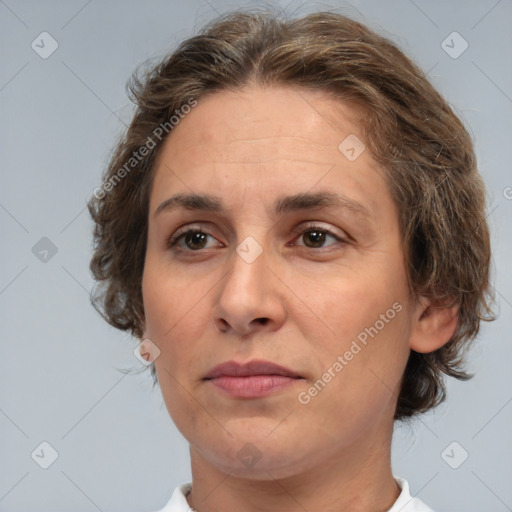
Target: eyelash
[[182, 233]]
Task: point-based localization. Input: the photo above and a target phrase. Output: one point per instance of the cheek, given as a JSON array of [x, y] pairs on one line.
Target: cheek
[[368, 326], [176, 316], [168, 299], [175, 322], [346, 305], [359, 384]]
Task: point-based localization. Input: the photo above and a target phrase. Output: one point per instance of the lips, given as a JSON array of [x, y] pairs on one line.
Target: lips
[[251, 368], [252, 380]]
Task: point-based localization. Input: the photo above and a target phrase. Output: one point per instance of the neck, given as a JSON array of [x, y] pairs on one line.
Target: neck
[[358, 479]]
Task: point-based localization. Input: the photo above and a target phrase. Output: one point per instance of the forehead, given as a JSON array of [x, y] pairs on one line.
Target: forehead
[[272, 119], [282, 136]]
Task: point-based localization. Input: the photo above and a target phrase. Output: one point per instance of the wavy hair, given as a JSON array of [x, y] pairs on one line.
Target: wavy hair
[[409, 128]]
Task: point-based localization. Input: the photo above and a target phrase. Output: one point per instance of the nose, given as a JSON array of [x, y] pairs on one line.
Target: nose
[[250, 297]]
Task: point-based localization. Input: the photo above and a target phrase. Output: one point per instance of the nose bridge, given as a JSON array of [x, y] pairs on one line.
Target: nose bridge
[[247, 269], [248, 291], [251, 253]]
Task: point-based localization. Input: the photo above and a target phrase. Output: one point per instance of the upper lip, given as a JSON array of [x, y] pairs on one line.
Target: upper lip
[[255, 367]]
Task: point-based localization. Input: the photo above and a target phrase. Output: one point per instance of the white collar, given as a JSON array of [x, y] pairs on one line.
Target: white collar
[[404, 503]]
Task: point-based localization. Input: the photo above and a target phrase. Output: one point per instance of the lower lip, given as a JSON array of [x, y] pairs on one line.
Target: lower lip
[[253, 386]]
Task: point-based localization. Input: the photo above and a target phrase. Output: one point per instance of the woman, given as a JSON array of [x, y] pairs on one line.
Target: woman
[[294, 226]]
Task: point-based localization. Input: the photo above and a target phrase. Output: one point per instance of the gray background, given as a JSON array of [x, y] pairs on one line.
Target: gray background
[[59, 361]]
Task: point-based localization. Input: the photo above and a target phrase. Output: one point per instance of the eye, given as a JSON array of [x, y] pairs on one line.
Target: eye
[[314, 237], [194, 239]]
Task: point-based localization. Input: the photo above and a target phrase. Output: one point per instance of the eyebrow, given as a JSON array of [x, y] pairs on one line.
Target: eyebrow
[[282, 205]]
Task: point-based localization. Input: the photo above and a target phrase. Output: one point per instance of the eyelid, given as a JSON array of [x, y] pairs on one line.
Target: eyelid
[[308, 225], [299, 230], [198, 226]]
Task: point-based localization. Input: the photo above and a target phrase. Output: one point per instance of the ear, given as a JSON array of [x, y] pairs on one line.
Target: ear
[[433, 324]]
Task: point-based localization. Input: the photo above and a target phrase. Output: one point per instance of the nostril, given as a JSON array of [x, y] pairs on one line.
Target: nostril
[[262, 321], [221, 325]]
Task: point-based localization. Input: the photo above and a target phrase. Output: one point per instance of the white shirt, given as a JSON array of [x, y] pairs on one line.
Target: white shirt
[[404, 503]]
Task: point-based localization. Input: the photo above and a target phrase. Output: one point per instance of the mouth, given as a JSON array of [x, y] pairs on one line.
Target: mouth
[[251, 368], [254, 379]]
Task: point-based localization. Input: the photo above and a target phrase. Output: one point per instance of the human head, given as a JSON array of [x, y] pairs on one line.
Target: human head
[[407, 127]]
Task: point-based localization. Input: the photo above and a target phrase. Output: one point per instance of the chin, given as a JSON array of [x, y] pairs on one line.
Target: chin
[[257, 457]]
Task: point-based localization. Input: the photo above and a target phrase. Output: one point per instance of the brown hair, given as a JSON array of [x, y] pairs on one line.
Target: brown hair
[[409, 128]]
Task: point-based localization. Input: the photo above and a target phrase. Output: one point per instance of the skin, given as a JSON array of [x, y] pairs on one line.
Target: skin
[[204, 304]]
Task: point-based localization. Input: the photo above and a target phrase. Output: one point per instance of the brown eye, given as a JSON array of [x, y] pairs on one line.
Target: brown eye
[[191, 240], [316, 238], [195, 239]]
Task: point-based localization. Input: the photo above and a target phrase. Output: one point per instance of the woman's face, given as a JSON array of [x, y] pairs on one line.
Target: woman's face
[[295, 258]]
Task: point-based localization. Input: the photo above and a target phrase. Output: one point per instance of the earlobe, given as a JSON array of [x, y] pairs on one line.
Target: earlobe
[[433, 324]]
